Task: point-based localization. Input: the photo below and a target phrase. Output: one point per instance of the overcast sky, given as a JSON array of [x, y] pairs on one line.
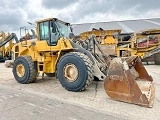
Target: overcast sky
[[16, 13]]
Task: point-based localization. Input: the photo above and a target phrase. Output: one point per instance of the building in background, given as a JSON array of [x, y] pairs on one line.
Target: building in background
[[127, 26]]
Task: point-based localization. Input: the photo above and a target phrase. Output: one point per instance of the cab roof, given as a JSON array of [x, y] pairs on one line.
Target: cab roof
[[49, 19]]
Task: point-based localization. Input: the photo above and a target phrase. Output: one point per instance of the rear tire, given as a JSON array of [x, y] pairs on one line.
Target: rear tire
[[157, 59], [23, 70], [75, 71]]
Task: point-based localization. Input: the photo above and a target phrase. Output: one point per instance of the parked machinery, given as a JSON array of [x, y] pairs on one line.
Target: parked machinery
[[105, 38], [145, 44], [75, 66]]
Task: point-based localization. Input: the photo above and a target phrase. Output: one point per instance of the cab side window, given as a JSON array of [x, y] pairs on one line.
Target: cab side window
[[44, 31]]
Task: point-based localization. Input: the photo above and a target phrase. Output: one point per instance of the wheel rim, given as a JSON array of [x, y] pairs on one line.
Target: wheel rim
[[70, 72], [20, 70]]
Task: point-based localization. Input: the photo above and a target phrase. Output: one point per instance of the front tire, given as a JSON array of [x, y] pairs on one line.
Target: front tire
[[23, 70], [75, 71]]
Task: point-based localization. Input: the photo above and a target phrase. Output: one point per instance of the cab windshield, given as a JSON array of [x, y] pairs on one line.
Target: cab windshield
[[63, 29]]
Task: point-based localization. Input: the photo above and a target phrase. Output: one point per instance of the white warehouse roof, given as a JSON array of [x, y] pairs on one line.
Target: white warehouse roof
[[127, 26]]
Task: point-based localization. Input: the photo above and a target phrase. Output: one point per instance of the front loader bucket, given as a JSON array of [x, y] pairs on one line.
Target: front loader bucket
[[128, 81]]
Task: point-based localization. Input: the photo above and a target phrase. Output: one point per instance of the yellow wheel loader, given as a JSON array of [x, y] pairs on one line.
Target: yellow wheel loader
[[55, 53]]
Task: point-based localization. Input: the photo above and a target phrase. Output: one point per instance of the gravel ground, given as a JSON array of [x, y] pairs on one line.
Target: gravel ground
[[93, 97]]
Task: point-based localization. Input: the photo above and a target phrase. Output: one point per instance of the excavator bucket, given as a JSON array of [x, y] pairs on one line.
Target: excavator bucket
[[128, 81]]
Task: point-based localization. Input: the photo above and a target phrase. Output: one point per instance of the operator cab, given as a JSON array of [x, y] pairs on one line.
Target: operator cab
[[53, 29]]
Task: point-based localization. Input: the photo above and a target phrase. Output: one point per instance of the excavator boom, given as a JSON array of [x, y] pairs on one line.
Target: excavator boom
[[9, 38]]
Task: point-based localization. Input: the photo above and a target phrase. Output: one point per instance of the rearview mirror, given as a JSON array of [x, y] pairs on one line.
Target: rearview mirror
[[71, 29], [53, 30], [53, 25]]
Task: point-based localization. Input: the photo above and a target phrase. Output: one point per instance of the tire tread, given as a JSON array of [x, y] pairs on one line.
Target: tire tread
[[89, 65]]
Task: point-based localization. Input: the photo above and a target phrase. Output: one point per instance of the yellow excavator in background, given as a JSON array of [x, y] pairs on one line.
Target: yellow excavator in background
[[145, 43], [54, 52], [7, 42], [5, 50]]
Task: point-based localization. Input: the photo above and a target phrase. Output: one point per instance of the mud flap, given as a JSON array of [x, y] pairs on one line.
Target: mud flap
[[128, 81]]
